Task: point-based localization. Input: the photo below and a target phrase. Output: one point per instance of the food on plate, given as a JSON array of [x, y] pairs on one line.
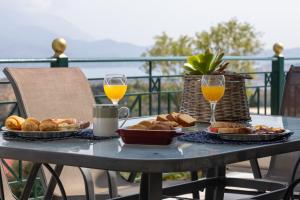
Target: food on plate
[[166, 122], [146, 123], [227, 125], [262, 129], [186, 120], [138, 127], [14, 122], [48, 125], [173, 116], [67, 124], [245, 130], [162, 117], [161, 126], [238, 128], [152, 125], [177, 119], [30, 124], [230, 128]]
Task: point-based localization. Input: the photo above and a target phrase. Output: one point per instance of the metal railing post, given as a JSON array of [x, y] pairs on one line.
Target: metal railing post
[[59, 46], [150, 88], [277, 79]]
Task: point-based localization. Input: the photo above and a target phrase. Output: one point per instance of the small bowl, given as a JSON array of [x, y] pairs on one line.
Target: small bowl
[[148, 137]]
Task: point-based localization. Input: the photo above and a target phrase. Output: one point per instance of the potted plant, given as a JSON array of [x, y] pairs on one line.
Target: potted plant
[[232, 107]]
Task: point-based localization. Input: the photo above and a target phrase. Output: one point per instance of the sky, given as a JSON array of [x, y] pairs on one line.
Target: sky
[[138, 21]]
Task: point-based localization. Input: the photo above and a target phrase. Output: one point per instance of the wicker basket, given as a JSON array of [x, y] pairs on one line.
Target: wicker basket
[[232, 107]]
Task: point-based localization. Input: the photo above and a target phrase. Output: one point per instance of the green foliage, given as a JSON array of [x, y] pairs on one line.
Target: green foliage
[[205, 63], [233, 37]]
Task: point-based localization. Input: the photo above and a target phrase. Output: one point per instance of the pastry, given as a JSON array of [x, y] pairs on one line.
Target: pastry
[[186, 120], [30, 124], [14, 122], [48, 125]]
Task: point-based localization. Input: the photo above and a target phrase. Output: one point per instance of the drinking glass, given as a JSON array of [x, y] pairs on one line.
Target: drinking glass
[[213, 88], [115, 86]]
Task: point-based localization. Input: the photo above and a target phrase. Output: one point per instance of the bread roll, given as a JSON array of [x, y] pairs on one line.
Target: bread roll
[[14, 122], [30, 124], [48, 125]]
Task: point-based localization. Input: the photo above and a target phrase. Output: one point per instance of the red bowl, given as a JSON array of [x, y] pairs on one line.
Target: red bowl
[[149, 137]]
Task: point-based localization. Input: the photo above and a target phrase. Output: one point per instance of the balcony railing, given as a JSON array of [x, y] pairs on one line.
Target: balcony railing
[[264, 98]]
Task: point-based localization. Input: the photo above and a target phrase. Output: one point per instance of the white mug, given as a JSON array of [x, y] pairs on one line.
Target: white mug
[[106, 119]]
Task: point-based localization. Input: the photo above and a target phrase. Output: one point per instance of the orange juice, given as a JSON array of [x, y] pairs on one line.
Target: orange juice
[[213, 93], [115, 92]]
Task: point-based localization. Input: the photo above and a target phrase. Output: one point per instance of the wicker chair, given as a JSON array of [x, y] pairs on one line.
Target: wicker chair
[[65, 92]]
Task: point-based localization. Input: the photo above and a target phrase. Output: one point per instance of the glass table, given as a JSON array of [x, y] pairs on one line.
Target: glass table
[[152, 161]]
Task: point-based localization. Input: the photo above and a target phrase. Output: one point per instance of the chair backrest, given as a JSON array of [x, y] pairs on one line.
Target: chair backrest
[[290, 102], [281, 166], [52, 92]]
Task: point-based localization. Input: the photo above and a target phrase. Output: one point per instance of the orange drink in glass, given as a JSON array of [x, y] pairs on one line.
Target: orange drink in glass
[[115, 92], [115, 86], [213, 93], [213, 89]]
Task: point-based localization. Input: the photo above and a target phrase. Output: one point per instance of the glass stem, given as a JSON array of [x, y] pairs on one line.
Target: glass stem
[[212, 110], [115, 102]]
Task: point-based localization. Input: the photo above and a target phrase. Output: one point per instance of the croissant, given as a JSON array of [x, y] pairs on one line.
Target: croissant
[[48, 125], [30, 124], [14, 122]]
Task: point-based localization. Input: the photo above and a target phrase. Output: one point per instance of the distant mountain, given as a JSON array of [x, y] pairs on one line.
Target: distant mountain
[[26, 34], [32, 41]]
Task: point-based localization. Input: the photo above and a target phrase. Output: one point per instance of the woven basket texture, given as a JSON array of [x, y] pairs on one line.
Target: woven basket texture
[[232, 107]]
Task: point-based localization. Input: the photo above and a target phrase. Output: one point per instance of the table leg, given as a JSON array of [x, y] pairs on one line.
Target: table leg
[[219, 192], [30, 181], [151, 186], [215, 192], [52, 183], [194, 177], [209, 191]]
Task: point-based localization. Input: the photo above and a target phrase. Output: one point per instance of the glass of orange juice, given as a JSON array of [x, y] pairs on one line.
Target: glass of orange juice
[[213, 88], [115, 86]]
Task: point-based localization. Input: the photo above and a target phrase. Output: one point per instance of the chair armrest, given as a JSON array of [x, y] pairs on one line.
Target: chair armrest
[[88, 183]]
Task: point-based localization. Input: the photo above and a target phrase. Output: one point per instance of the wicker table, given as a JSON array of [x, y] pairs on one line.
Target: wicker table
[[112, 154]]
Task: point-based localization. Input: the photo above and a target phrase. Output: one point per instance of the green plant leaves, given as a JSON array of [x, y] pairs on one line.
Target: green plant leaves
[[205, 63]]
